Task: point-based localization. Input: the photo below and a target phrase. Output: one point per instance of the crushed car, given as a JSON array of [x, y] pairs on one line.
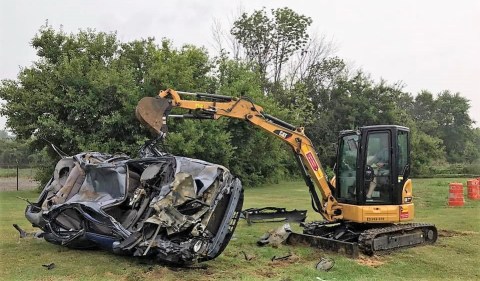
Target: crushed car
[[174, 209]]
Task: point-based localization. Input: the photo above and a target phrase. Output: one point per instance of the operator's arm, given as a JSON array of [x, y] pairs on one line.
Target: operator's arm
[[245, 109], [379, 159]]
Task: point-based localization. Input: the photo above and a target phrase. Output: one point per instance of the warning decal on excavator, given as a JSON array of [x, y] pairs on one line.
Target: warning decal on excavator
[[311, 160], [283, 134], [403, 213]]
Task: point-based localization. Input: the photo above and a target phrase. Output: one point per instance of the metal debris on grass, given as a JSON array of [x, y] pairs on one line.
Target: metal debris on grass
[[275, 237], [325, 264], [281, 258], [23, 233], [273, 214], [49, 266], [248, 257]]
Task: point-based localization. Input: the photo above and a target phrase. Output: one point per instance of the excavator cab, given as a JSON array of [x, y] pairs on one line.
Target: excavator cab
[[373, 165]]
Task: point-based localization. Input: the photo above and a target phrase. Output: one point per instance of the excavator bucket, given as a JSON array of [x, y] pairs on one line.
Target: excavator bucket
[[152, 112]]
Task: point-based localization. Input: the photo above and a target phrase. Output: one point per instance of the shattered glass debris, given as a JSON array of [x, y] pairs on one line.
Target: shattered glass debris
[[174, 209]]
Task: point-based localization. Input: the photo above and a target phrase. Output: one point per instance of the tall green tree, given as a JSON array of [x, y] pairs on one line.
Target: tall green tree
[[472, 147], [12, 152], [426, 150], [74, 94], [343, 101], [82, 90], [270, 40], [423, 113], [454, 124], [446, 117]]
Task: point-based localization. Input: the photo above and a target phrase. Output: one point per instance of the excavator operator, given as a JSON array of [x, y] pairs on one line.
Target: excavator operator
[[379, 163]]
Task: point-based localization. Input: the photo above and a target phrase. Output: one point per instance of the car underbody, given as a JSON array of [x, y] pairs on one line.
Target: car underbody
[[173, 209]]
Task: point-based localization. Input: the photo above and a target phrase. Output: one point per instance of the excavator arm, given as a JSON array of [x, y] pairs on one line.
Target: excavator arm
[[153, 112]]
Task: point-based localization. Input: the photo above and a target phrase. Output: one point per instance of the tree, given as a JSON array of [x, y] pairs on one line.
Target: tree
[[472, 147], [82, 91], [73, 95], [270, 40], [446, 117], [257, 157], [343, 101], [81, 94], [310, 63], [454, 124], [14, 151], [425, 150], [423, 111]]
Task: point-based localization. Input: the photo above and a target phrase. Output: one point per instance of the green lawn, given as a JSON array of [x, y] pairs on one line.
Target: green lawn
[[456, 255]]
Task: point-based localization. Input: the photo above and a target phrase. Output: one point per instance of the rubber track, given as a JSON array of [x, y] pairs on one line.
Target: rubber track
[[366, 238]]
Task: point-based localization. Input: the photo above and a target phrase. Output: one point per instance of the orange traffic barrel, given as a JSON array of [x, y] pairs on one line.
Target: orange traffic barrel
[[455, 196], [473, 188]]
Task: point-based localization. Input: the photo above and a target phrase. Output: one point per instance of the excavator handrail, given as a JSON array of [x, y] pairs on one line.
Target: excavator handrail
[[243, 108]]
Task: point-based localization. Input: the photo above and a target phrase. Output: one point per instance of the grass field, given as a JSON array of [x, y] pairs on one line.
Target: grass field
[[456, 255]]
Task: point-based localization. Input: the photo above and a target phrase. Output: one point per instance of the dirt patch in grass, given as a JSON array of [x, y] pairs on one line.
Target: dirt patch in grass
[[270, 270], [453, 233], [374, 261], [266, 272], [197, 272], [158, 272]]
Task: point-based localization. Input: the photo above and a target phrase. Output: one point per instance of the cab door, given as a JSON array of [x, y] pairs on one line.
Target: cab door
[[376, 183], [346, 168]]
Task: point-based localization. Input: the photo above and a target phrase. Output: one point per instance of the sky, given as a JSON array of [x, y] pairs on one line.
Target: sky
[[431, 45]]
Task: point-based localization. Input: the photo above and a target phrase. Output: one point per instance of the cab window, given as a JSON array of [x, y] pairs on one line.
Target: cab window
[[347, 167], [402, 152], [378, 188]]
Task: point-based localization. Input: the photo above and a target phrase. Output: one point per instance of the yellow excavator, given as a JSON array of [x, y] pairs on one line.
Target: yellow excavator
[[365, 206]]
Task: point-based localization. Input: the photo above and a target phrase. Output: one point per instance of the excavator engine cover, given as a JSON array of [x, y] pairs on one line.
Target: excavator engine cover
[[152, 112]]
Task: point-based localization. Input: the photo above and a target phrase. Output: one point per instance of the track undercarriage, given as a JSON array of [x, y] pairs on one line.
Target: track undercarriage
[[352, 239]]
